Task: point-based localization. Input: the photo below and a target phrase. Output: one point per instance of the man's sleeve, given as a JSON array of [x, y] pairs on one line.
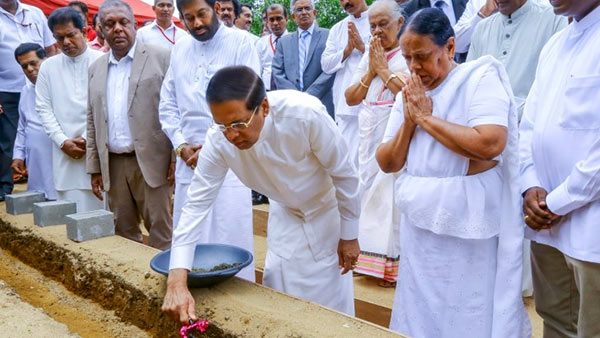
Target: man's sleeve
[[43, 106], [278, 69], [465, 26], [331, 60], [249, 56], [168, 110], [20, 147], [206, 182], [331, 150], [581, 187]]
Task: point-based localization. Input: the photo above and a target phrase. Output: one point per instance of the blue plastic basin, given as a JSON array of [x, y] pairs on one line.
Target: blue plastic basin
[[206, 256]]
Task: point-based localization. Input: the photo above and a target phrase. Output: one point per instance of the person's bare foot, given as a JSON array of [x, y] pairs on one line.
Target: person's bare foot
[[387, 284]]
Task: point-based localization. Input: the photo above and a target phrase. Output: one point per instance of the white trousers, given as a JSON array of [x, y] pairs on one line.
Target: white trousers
[[229, 222], [348, 125], [85, 199], [304, 277]]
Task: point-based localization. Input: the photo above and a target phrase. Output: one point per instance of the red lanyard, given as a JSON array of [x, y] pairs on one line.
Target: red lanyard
[[172, 41], [271, 42]]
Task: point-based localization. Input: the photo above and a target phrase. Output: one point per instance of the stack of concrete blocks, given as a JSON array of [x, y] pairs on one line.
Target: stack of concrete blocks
[[22, 203], [90, 225]]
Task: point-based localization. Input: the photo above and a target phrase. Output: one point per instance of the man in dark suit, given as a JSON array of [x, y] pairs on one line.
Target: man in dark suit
[[297, 61], [452, 8]]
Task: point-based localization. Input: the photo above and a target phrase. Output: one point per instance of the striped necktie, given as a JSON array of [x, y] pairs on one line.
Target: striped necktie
[[302, 50]]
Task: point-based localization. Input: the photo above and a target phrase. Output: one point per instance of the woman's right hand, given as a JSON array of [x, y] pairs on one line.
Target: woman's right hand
[[178, 302]]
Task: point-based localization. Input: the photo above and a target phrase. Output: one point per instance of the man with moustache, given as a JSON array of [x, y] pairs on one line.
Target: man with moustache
[[560, 174], [244, 20], [228, 11], [128, 155], [62, 101], [162, 32], [343, 51], [33, 148], [186, 118], [277, 19], [19, 23], [297, 61]]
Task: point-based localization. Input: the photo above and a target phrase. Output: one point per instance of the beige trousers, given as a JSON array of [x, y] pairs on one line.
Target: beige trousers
[[566, 292], [130, 197]]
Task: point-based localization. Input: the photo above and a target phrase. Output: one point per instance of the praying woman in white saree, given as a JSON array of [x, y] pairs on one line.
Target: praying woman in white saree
[[454, 130]]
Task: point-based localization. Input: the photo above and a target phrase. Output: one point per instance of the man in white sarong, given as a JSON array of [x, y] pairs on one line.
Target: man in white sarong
[[61, 102], [277, 19], [284, 145], [185, 118], [345, 47], [375, 83], [33, 148], [454, 129]]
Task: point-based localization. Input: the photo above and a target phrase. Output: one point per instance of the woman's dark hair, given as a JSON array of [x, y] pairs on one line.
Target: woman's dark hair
[[432, 22], [64, 15], [236, 83], [27, 47]]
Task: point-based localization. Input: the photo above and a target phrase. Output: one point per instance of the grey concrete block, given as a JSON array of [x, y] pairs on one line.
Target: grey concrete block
[[90, 225], [53, 212], [22, 203]]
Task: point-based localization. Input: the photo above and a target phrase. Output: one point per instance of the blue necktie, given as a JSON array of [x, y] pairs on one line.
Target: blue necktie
[[302, 50]]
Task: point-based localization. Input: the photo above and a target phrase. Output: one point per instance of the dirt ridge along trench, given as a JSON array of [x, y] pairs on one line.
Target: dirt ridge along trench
[[80, 276]]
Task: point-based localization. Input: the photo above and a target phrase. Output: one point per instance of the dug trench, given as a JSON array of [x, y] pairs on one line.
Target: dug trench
[[75, 273], [113, 274]]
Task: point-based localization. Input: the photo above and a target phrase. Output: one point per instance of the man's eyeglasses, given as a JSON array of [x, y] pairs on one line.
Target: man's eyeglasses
[[237, 126]]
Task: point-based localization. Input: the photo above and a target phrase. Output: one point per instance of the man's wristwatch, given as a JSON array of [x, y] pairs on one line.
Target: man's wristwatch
[[179, 149]]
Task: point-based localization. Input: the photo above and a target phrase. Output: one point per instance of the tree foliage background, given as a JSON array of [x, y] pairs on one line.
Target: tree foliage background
[[329, 12]]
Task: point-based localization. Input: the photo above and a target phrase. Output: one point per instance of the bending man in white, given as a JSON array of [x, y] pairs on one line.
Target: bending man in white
[[285, 146]]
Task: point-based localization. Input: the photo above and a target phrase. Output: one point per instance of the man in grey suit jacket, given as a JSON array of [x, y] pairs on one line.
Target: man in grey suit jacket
[[128, 155], [297, 60]]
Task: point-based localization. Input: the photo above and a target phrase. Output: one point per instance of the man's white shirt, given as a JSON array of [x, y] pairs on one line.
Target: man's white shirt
[[28, 24], [183, 111], [266, 47], [155, 35], [331, 60], [298, 161], [117, 90], [560, 138]]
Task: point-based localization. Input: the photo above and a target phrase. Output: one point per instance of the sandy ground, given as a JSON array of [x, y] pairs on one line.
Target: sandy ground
[[24, 292], [19, 319]]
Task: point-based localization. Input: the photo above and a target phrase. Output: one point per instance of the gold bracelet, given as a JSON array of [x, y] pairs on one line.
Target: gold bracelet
[[390, 79], [179, 149], [362, 84]]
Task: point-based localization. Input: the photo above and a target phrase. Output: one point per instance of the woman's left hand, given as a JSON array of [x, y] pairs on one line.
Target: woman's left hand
[[378, 60], [418, 103]]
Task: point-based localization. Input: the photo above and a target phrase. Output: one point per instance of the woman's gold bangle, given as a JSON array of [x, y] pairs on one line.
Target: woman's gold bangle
[[362, 84], [390, 79]]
